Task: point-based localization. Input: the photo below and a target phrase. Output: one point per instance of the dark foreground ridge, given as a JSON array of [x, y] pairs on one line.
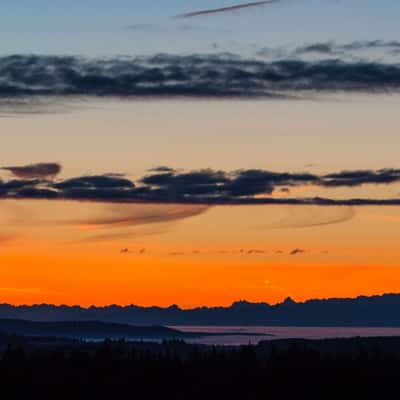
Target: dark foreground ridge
[[290, 369], [87, 330], [376, 311], [97, 330]]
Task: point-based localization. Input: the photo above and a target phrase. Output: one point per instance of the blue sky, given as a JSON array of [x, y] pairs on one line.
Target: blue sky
[[100, 27]]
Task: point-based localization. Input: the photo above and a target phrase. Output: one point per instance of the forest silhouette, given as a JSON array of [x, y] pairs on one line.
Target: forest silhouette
[[343, 368]]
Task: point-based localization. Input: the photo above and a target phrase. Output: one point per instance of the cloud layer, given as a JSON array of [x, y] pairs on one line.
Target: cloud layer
[[166, 185], [221, 75], [339, 49], [351, 51]]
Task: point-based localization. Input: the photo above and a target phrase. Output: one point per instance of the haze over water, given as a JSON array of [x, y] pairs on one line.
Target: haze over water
[[243, 336]]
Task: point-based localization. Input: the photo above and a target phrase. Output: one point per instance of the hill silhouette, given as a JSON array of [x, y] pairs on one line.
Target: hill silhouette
[[382, 311], [87, 329]]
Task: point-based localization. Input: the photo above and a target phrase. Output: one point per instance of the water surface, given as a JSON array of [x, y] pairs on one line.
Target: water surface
[[243, 335]]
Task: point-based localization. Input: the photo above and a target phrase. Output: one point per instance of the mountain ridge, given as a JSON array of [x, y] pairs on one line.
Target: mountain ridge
[[380, 310]]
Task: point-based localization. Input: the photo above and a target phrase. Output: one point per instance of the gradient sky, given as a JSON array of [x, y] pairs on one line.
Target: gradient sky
[[97, 27], [81, 252]]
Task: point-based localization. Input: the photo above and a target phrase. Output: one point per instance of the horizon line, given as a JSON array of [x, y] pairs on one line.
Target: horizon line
[[174, 305]]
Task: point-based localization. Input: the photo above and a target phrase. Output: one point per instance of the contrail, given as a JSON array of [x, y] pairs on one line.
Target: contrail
[[225, 9]]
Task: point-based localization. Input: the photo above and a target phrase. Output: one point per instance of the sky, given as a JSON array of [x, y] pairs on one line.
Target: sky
[[153, 159], [98, 27]]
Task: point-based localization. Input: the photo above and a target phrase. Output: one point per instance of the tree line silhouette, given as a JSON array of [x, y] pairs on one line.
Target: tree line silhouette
[[175, 370]]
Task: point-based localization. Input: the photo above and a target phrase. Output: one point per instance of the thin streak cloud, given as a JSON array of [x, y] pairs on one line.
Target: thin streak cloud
[[225, 9], [142, 216], [309, 217]]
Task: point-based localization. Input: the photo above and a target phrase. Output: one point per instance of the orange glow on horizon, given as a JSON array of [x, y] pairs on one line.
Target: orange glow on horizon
[[210, 257], [89, 279]]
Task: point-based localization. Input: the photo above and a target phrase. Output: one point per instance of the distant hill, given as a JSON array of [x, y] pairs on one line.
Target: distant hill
[[87, 329], [382, 311]]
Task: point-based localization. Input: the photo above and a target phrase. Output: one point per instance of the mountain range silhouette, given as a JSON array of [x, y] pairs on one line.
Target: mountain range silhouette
[[375, 311]]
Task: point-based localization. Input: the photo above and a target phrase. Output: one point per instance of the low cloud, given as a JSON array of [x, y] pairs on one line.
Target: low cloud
[[361, 177], [32, 171], [199, 187]]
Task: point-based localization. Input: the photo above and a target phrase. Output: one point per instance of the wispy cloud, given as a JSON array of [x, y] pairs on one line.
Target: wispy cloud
[[308, 217], [225, 9], [118, 217], [126, 235]]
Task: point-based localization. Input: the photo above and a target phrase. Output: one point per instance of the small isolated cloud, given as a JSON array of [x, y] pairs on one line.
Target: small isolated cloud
[[163, 168], [255, 252], [320, 48], [33, 171], [296, 252], [143, 27]]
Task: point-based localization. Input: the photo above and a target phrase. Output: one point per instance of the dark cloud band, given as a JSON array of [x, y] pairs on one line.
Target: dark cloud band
[[221, 75], [208, 187]]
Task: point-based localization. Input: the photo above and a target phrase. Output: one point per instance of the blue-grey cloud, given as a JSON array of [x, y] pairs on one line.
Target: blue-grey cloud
[[219, 75], [357, 49], [333, 48]]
